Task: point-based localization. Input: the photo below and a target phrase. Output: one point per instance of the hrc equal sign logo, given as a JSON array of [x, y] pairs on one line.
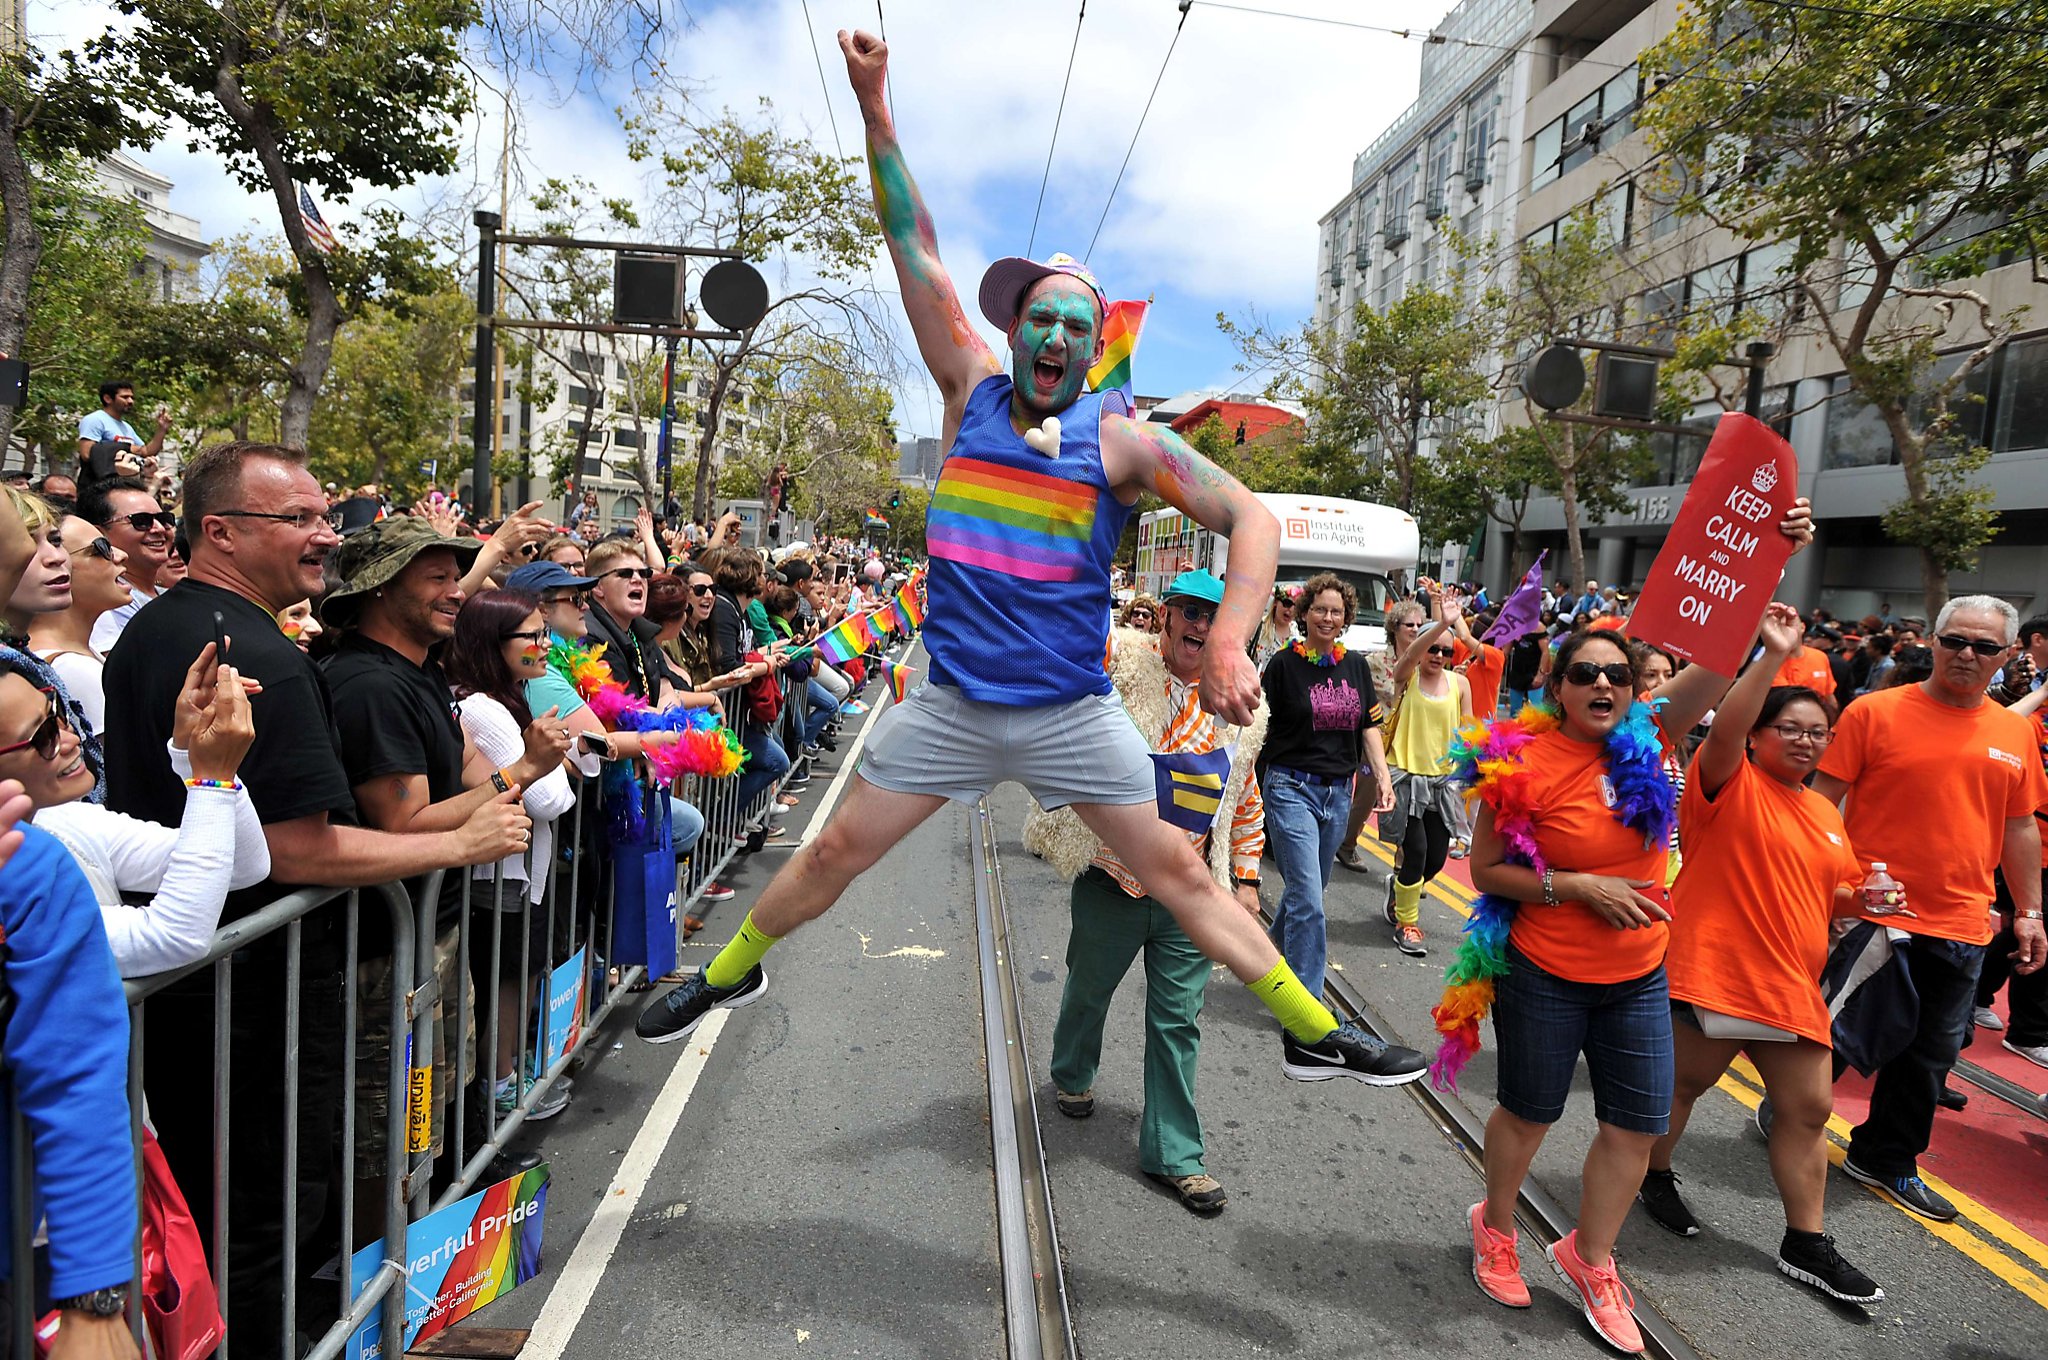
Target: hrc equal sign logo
[[1190, 787]]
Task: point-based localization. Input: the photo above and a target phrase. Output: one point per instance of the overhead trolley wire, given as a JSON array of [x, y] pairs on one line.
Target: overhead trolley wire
[[1058, 114], [1186, 7]]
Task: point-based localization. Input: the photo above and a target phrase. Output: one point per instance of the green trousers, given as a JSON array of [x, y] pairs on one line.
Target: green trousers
[[1110, 928]]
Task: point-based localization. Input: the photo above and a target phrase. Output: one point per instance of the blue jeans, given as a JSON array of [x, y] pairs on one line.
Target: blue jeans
[[1511, 701], [1306, 822], [766, 763], [1892, 1136], [1543, 1022], [823, 706], [688, 825]]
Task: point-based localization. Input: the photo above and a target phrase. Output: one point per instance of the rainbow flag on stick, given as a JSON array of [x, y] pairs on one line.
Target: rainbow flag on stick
[[908, 609], [899, 681], [1119, 342], [847, 641]]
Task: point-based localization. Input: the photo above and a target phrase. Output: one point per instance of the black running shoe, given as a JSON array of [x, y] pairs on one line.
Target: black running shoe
[[674, 1015], [1387, 908], [1908, 1192], [1348, 1051], [1764, 1118], [1815, 1261], [1659, 1195]]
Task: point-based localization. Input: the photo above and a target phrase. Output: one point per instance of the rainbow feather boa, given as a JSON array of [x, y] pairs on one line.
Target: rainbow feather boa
[[1488, 763], [703, 744]]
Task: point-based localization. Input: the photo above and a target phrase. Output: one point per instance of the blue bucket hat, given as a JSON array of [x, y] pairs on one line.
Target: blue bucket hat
[[1195, 585]]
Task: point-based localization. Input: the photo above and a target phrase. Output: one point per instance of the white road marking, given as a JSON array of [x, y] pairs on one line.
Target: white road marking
[[592, 1254]]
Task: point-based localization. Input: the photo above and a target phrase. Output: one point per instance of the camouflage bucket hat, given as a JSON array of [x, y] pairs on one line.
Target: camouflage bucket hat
[[374, 557]]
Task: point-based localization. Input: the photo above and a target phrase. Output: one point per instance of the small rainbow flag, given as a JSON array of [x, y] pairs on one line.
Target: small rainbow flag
[[908, 609], [1119, 342], [847, 641], [899, 680]]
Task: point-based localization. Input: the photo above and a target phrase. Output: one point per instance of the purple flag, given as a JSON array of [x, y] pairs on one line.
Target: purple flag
[[1518, 613]]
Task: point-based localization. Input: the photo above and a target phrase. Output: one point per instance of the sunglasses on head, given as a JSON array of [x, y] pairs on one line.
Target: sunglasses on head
[[142, 521], [1954, 642], [631, 573], [99, 547], [44, 738], [1620, 674]]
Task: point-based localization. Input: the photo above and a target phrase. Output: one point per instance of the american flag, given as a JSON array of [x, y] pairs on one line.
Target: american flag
[[309, 217]]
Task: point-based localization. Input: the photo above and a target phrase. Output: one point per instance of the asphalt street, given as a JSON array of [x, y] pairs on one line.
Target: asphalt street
[[826, 1189]]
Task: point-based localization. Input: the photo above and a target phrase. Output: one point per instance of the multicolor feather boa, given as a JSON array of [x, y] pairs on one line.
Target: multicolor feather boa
[[704, 745], [1318, 658], [1488, 763]]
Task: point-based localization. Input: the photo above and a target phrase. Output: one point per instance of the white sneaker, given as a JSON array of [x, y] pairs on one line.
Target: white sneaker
[[1986, 1018], [2035, 1054]]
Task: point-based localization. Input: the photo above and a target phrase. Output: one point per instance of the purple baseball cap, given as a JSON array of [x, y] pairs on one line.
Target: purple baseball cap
[[1008, 279]]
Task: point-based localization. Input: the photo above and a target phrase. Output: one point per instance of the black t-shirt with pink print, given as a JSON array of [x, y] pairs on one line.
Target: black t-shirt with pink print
[[1320, 713]]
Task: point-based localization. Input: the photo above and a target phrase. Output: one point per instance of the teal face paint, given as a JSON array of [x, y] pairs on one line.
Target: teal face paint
[[1051, 346]]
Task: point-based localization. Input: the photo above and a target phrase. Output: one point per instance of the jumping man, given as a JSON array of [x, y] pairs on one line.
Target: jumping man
[[1021, 534]]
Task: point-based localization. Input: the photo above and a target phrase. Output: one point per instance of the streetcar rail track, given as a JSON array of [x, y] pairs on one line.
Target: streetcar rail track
[[1037, 1318], [2003, 1087]]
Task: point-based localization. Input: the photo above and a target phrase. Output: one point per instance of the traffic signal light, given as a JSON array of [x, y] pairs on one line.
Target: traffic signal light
[[895, 500]]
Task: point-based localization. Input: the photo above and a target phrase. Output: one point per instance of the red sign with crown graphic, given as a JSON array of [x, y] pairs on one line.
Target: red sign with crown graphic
[[1724, 554]]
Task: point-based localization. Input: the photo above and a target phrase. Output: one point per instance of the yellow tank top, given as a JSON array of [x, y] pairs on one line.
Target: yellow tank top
[[1422, 739]]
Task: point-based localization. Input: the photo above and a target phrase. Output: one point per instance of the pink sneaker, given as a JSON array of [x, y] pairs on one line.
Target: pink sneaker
[[1603, 1298], [1496, 1265]]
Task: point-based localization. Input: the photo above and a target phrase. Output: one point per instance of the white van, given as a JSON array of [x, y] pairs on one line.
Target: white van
[[1365, 543]]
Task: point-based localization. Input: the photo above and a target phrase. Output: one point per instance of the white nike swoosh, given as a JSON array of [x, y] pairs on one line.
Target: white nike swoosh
[[1337, 1061]]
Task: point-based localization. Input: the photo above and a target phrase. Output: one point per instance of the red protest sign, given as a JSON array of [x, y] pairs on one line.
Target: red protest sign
[[1724, 554]]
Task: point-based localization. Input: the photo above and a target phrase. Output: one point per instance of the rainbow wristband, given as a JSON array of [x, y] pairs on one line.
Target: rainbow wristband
[[231, 785]]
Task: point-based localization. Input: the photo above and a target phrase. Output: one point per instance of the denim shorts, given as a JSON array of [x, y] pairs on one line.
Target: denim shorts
[[1542, 1023]]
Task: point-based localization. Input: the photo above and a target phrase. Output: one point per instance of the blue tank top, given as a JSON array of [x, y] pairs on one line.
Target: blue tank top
[[1020, 548]]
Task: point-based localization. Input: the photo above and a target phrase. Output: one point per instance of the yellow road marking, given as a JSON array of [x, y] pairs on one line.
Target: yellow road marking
[[1457, 897]]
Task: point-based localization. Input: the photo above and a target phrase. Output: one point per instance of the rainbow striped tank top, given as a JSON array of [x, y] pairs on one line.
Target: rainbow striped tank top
[[1020, 548]]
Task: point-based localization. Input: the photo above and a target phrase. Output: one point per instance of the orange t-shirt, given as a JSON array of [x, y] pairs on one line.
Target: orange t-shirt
[[1809, 667], [1484, 674], [1931, 788], [1577, 833], [1750, 910]]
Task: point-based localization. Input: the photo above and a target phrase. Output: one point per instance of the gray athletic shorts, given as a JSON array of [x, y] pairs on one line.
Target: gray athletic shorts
[[939, 742]]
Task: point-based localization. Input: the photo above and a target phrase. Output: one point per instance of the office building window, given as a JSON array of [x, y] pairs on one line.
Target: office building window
[[626, 439], [1599, 120], [1400, 195], [1443, 144], [1480, 113], [2023, 397]]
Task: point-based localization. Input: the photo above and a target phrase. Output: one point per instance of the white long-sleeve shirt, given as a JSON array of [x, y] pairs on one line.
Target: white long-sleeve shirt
[[191, 868], [498, 738]]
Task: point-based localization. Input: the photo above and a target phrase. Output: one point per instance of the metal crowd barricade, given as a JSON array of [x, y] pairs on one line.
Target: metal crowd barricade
[[576, 909]]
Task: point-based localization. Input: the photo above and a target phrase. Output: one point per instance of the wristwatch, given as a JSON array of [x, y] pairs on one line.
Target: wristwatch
[[103, 1303]]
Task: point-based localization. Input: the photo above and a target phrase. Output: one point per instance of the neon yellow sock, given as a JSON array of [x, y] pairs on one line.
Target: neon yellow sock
[[737, 959], [1407, 902], [1306, 1018]]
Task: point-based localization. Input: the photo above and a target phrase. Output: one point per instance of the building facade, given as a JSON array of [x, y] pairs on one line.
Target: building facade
[[175, 248]]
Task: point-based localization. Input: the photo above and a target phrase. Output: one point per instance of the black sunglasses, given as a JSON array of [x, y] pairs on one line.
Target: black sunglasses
[[99, 547], [1197, 613], [631, 573], [44, 739], [1620, 674], [1955, 643], [143, 520], [1453, 651], [700, 590]]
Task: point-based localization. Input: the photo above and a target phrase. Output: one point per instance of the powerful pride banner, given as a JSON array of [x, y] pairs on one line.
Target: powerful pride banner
[[458, 1259], [563, 1019]]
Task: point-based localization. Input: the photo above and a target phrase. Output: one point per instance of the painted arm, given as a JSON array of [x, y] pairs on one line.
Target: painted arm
[[956, 356], [1153, 458], [1723, 752]]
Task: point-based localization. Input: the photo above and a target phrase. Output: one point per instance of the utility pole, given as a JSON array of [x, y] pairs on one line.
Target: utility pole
[[498, 368], [484, 408]]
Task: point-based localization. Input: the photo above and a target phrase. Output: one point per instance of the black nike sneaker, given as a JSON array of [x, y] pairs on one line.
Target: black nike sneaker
[[1814, 1260], [674, 1015], [1348, 1051]]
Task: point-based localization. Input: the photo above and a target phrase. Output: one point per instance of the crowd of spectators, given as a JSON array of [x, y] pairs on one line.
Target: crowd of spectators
[[217, 692]]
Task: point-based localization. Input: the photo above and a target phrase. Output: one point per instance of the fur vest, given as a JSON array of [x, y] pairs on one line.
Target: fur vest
[[1139, 674]]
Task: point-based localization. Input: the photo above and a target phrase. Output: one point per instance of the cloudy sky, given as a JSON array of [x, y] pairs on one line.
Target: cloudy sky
[[1249, 141]]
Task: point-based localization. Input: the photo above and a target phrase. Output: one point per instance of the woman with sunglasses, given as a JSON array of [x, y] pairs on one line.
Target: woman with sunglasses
[[186, 870], [1276, 630], [1569, 847], [44, 587], [1323, 735], [1770, 867], [1435, 702], [1142, 613], [64, 638], [501, 642], [1405, 621]]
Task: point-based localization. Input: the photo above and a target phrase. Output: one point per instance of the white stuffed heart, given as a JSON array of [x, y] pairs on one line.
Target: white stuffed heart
[[1046, 438]]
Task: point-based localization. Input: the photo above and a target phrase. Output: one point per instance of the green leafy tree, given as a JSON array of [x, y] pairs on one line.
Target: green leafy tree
[[1897, 154], [828, 423], [388, 409], [55, 118], [332, 95], [749, 186]]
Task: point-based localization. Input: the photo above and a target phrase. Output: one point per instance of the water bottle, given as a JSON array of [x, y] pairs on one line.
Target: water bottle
[[1883, 895]]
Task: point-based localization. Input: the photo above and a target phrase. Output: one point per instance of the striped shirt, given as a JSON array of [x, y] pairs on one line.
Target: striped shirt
[[1192, 729]]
